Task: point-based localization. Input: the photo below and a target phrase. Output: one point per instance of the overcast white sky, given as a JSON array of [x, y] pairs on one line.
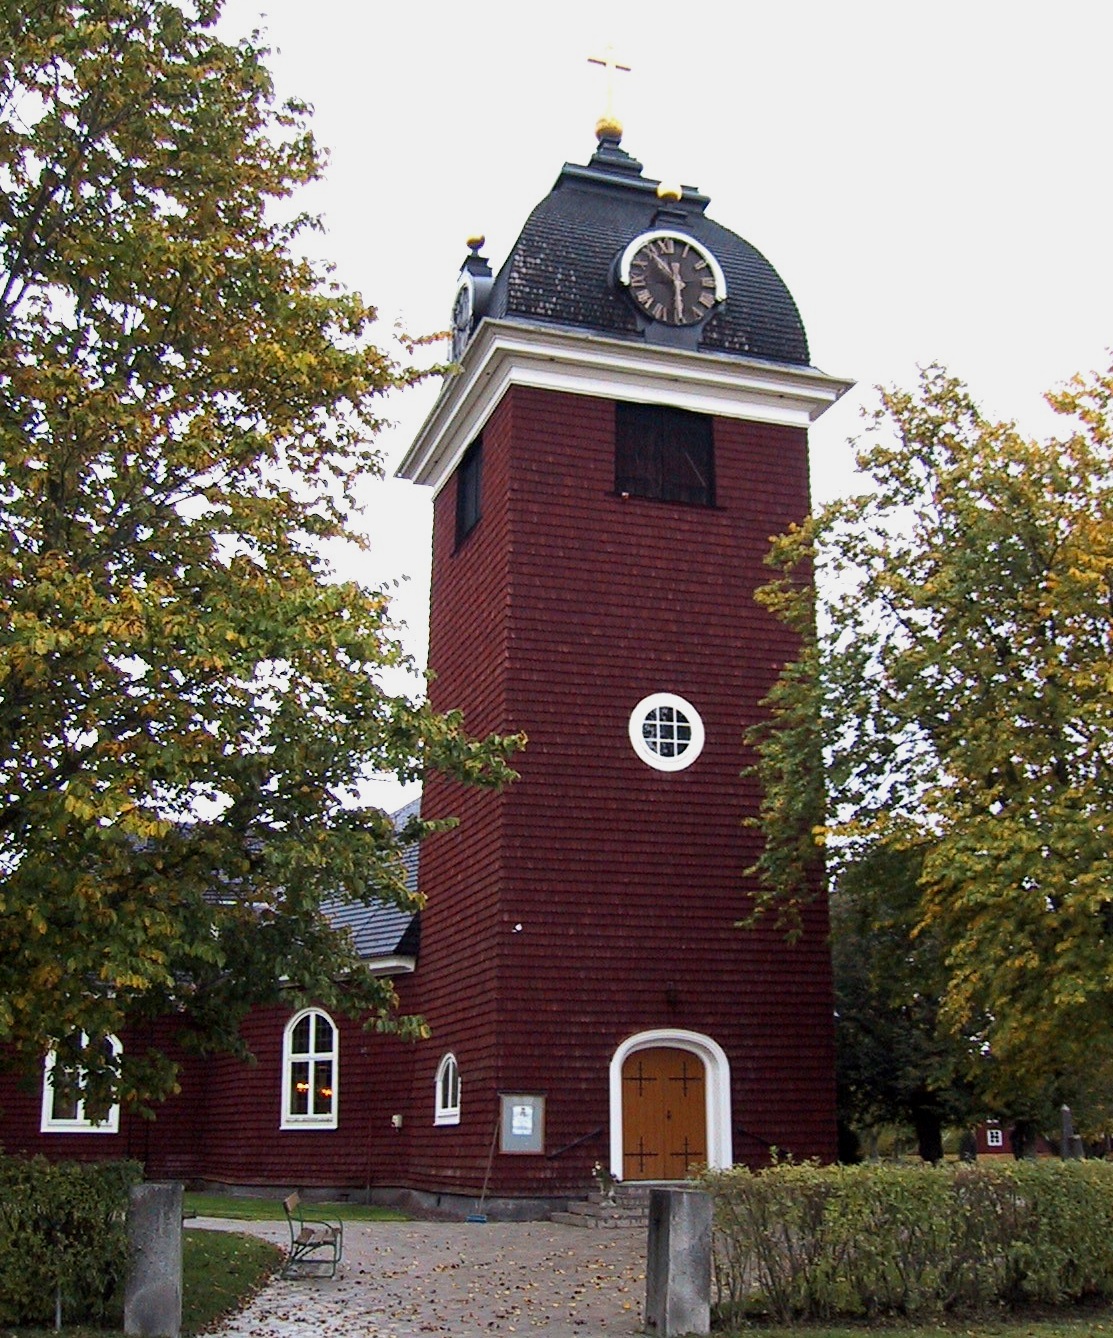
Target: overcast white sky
[[931, 181]]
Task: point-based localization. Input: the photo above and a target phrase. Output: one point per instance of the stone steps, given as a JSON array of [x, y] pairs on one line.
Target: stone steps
[[629, 1208]]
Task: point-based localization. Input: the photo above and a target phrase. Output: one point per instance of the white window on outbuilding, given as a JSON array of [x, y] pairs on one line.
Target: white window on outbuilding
[[310, 1071], [63, 1108], [446, 1101]]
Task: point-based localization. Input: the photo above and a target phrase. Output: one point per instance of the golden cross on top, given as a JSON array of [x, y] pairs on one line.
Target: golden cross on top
[[612, 66]]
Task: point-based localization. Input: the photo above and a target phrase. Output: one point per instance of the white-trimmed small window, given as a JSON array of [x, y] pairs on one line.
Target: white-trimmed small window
[[63, 1110], [446, 1102], [310, 1071], [666, 731]]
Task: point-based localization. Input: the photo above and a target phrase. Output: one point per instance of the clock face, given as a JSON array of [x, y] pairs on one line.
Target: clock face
[[672, 278], [461, 320]]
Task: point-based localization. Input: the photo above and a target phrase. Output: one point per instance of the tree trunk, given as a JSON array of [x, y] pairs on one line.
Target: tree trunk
[[928, 1123]]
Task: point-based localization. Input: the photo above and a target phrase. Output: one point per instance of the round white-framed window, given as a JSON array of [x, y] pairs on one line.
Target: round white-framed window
[[666, 731]]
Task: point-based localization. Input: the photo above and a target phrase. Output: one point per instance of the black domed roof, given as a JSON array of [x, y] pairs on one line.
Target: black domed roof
[[561, 269]]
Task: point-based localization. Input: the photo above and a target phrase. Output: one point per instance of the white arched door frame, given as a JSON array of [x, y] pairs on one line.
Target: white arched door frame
[[716, 1068]]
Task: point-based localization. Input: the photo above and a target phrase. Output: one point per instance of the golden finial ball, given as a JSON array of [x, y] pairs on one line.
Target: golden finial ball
[[476, 242], [608, 127], [667, 191]]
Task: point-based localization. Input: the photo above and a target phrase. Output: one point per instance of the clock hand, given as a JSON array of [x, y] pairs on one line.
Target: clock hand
[[678, 286], [661, 264]]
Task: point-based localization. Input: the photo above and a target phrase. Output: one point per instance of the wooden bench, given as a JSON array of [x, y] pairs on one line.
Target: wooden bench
[[314, 1243]]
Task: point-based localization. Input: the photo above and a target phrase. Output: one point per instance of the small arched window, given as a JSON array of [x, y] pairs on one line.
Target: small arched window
[[446, 1108], [63, 1110], [310, 1071]]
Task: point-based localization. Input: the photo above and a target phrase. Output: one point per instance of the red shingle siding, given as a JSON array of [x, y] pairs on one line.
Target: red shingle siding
[[627, 882], [456, 988], [224, 1124], [165, 1148], [245, 1143]]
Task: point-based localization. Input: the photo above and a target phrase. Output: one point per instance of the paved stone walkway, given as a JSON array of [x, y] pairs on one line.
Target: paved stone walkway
[[410, 1279]]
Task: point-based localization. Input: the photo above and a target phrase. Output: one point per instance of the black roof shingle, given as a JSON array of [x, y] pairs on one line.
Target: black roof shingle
[[381, 929], [561, 268]]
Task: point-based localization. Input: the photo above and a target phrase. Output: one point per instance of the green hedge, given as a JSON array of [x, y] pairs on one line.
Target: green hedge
[[809, 1242], [62, 1229]]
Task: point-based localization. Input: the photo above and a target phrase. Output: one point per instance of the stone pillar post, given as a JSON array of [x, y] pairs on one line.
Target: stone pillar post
[[153, 1295], [678, 1268]]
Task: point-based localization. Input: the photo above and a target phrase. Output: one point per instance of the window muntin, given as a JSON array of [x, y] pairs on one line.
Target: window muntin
[[666, 731], [469, 481], [310, 1066], [63, 1112], [446, 1101], [665, 454]]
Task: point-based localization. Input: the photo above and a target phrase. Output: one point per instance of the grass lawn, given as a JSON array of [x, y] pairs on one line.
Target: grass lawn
[[221, 1271], [242, 1209]]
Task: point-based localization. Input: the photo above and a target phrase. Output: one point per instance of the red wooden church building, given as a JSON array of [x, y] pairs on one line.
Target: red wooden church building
[[627, 428]]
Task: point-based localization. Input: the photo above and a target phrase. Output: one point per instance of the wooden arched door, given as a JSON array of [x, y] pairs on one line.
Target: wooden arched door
[[664, 1114]]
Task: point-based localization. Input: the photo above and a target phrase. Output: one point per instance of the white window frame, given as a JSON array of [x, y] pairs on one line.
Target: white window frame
[[652, 758], [310, 1119], [445, 1111], [79, 1123]]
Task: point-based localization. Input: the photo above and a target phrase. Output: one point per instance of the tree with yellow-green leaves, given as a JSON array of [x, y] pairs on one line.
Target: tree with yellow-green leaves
[[189, 698], [953, 705]]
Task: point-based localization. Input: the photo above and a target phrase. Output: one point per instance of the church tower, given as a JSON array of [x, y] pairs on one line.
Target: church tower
[[626, 430]]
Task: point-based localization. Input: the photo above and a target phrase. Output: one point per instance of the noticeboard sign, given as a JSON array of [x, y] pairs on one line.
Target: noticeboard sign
[[523, 1122]]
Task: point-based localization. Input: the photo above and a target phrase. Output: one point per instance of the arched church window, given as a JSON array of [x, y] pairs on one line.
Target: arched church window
[[446, 1109], [310, 1070], [63, 1108]]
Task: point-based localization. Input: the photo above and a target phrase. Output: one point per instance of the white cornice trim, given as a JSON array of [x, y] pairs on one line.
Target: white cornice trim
[[387, 964], [391, 966], [502, 354]]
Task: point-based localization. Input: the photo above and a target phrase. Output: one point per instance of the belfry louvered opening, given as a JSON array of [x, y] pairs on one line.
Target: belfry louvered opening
[[664, 453]]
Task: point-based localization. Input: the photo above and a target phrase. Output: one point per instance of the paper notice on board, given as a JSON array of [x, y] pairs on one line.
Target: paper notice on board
[[521, 1121]]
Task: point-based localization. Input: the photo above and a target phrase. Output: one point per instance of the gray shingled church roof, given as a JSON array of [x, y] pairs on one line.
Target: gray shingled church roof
[[560, 268], [382, 929]]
